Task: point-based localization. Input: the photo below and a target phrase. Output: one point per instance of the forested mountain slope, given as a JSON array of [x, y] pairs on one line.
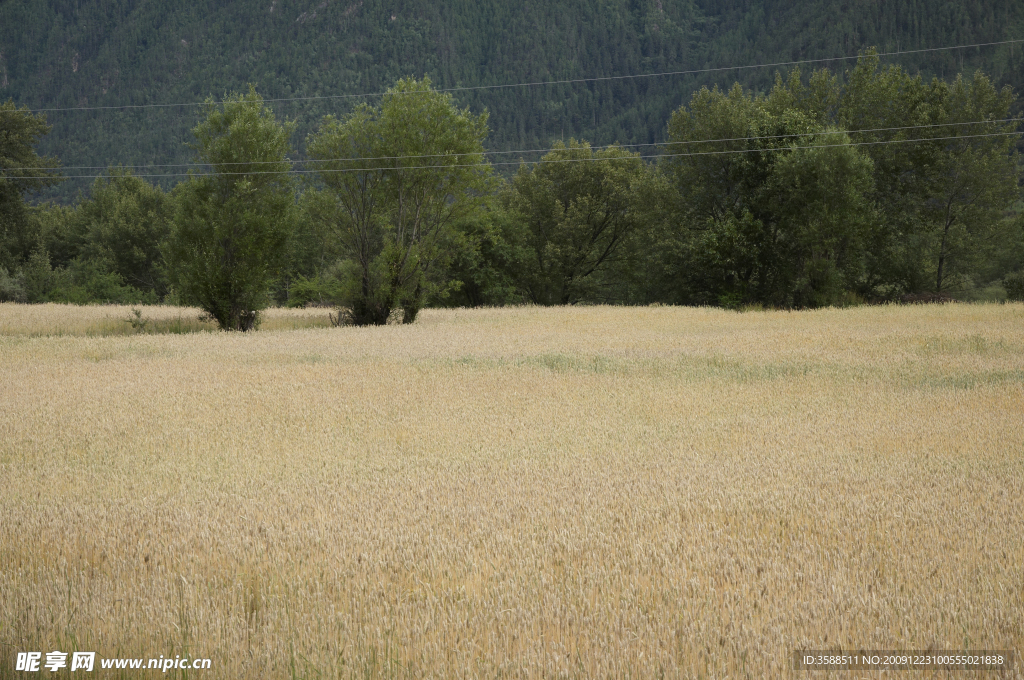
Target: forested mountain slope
[[96, 53]]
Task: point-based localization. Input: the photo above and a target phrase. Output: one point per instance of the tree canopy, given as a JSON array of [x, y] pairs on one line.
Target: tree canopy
[[113, 52], [579, 210], [22, 170], [231, 229], [828, 189], [397, 178]]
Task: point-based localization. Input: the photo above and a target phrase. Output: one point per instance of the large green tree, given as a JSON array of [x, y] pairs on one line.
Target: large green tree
[[493, 256], [775, 213], [230, 232], [578, 207], [22, 171], [945, 169], [396, 178], [124, 221], [972, 180], [107, 52]]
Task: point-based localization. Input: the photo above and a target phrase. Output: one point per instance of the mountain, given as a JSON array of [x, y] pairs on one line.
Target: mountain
[[109, 53]]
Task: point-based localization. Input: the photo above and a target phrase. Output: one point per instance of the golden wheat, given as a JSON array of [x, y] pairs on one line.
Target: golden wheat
[[106, 320], [583, 492]]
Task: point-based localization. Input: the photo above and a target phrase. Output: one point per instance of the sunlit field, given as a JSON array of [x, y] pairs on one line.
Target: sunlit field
[[106, 320], [593, 492]]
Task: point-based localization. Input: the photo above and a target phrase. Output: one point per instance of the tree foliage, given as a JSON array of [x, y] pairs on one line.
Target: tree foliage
[[22, 170], [396, 180], [578, 208], [827, 189], [117, 52], [941, 189], [124, 221], [774, 215], [231, 228]]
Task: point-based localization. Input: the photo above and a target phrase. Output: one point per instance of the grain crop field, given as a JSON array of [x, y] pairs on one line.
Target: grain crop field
[[594, 492]]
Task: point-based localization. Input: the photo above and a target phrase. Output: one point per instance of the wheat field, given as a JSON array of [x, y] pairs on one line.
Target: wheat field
[[593, 492]]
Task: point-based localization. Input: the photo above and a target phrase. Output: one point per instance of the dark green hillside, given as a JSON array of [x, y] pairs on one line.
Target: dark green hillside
[[756, 31], [73, 53]]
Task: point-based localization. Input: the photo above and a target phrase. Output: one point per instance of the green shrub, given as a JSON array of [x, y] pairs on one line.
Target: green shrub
[[92, 281], [11, 288], [81, 282], [229, 236], [1014, 285], [38, 277], [319, 291]]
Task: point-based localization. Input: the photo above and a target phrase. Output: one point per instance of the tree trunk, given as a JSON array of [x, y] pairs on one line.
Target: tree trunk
[[942, 253], [412, 306]]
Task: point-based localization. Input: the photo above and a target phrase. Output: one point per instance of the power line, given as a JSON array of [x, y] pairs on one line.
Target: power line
[[524, 151], [551, 161], [569, 81]]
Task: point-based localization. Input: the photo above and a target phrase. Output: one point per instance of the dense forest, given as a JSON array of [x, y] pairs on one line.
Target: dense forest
[[827, 183], [95, 53]]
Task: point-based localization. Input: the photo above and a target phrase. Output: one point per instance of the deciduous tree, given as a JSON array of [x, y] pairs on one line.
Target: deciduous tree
[[124, 221], [945, 169], [772, 209], [396, 180], [22, 170], [231, 228], [579, 209]]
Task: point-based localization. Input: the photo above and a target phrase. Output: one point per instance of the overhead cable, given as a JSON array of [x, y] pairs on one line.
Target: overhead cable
[[541, 161], [521, 151], [567, 81]]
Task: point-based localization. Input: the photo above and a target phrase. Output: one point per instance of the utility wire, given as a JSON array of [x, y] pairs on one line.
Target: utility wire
[[542, 161], [524, 151], [569, 81]]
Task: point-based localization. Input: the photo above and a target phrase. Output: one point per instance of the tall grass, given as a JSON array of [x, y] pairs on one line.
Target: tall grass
[[528, 493], [106, 320]]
